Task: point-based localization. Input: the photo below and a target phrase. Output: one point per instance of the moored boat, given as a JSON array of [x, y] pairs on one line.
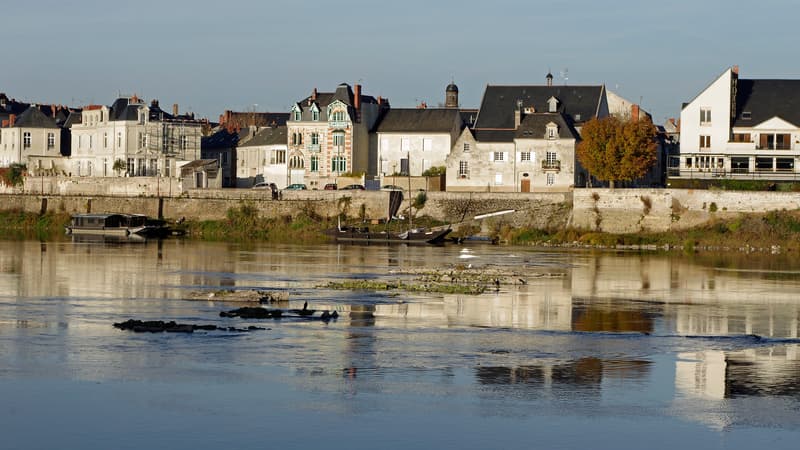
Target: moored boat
[[412, 236], [115, 224]]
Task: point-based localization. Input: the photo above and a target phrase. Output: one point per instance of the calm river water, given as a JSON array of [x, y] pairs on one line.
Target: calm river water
[[595, 351]]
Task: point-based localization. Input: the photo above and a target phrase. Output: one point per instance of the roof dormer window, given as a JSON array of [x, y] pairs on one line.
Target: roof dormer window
[[552, 105], [746, 115], [552, 131]]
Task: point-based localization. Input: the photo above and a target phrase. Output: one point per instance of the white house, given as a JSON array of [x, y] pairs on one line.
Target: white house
[[740, 128], [262, 158], [32, 139], [411, 141]]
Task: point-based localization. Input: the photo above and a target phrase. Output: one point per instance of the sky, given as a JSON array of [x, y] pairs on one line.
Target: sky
[[265, 55]]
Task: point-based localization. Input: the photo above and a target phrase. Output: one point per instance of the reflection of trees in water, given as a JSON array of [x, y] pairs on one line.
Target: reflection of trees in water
[[581, 373], [609, 318]]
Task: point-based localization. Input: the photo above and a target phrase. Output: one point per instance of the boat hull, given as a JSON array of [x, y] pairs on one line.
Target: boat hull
[[378, 237]]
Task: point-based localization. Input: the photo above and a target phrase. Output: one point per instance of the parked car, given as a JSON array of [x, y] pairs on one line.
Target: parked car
[[296, 187], [265, 185], [352, 187], [331, 187], [391, 187]]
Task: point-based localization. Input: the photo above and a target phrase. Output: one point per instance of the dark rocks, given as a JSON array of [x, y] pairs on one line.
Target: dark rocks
[[253, 312], [159, 326]]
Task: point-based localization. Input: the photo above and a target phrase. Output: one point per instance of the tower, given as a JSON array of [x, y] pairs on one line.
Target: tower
[[451, 96]]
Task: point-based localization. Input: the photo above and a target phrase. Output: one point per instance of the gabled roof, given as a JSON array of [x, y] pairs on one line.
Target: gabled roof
[[499, 103], [267, 136], [73, 118], [33, 118], [534, 126], [420, 120], [765, 99]]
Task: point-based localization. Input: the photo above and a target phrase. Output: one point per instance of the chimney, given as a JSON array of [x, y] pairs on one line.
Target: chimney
[[735, 69], [549, 79], [518, 114], [174, 109], [380, 100], [314, 95], [11, 119], [635, 112], [357, 96]]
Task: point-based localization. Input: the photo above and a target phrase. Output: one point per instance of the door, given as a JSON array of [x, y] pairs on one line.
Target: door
[[525, 185]]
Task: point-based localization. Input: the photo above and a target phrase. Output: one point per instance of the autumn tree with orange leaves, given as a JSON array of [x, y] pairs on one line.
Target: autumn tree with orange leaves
[[615, 150]]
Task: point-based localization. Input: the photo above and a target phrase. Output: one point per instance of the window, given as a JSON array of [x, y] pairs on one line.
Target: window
[[119, 139], [498, 156], [90, 141], [298, 115], [314, 138], [184, 142], [498, 179], [742, 137], [463, 169], [551, 179], [296, 162], [705, 142], [314, 115], [427, 145], [525, 156], [405, 145], [105, 140], [551, 157], [705, 116], [129, 167], [746, 115], [466, 147], [338, 164], [338, 139], [339, 116], [279, 157], [26, 139], [51, 140], [315, 163]]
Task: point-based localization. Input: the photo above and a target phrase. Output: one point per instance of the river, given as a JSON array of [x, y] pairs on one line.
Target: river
[[590, 350]]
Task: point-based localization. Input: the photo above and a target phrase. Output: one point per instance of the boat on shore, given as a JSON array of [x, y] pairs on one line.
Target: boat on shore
[[412, 236], [115, 224]]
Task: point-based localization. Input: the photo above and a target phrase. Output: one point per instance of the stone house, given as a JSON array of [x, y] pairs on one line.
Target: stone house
[[33, 139], [411, 141], [147, 140], [261, 157], [328, 135]]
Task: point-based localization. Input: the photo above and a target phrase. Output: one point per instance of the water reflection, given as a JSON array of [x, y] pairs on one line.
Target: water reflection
[[614, 328]]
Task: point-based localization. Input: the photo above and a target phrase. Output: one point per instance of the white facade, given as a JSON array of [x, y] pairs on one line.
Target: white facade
[[414, 152]]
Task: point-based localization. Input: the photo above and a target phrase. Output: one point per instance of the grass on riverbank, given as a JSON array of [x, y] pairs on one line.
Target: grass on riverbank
[[775, 228], [18, 224]]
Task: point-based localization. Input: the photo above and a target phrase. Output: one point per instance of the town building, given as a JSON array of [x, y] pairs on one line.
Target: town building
[[328, 135], [133, 138], [32, 139], [261, 158], [740, 128], [411, 141]]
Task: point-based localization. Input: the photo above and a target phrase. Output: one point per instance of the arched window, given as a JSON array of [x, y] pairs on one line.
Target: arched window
[[296, 162], [339, 116]]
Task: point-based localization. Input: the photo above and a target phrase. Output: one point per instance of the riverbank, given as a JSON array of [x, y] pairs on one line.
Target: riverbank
[[773, 232]]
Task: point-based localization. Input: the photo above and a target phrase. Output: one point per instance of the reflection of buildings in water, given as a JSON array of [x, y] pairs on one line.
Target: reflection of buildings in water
[[762, 371], [678, 279], [610, 317], [770, 320], [360, 341], [582, 373]]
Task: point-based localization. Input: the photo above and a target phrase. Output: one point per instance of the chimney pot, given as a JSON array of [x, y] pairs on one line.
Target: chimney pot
[[735, 69], [174, 109], [11, 119], [357, 96]]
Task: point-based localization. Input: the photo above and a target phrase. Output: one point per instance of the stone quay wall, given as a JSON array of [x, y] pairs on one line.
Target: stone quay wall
[[607, 210]]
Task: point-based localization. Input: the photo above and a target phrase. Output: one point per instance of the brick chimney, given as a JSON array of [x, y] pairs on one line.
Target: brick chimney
[[11, 119], [174, 109], [635, 112], [314, 95], [357, 97], [735, 69]]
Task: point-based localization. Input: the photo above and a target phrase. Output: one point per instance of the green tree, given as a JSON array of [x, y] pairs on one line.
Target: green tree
[[615, 150], [119, 165], [435, 171]]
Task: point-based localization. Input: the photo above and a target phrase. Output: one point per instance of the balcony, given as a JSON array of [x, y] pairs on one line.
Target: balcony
[[339, 124], [312, 147], [551, 165]]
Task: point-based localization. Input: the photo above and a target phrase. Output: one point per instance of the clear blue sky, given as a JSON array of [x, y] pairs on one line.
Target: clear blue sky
[[243, 54]]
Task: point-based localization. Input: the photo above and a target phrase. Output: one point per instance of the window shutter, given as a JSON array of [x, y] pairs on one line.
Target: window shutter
[[505, 156], [491, 156]]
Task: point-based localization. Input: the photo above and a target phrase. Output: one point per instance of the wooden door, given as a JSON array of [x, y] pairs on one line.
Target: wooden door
[[526, 185]]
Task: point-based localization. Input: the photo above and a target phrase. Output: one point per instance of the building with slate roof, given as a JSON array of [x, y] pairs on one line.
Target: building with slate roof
[[524, 139], [146, 139], [411, 141], [740, 128], [261, 157], [329, 135], [32, 139]]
